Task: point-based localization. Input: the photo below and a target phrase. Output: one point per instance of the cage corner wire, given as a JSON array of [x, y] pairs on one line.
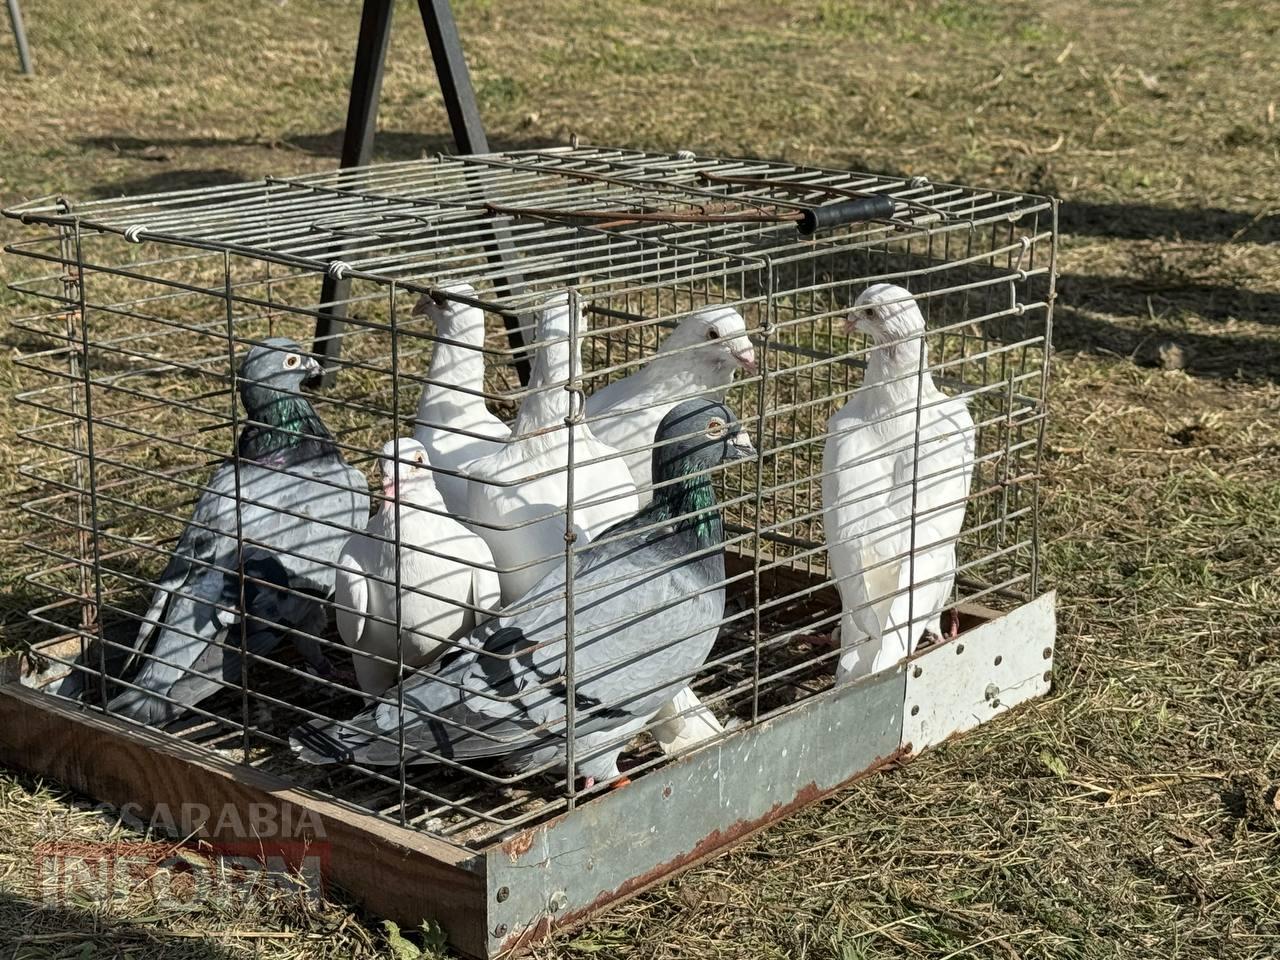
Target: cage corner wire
[[139, 307]]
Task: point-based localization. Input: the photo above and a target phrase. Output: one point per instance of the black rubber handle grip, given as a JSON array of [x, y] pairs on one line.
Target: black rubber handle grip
[[832, 215]]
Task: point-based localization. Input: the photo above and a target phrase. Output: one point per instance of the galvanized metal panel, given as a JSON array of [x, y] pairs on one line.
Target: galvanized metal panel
[[618, 843], [957, 685]]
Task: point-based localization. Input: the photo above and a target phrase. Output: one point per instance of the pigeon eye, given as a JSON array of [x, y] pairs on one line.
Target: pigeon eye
[[713, 334], [716, 428], [292, 360]]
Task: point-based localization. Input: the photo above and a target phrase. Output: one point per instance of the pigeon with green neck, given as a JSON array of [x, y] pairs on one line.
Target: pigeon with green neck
[[648, 601], [292, 500]]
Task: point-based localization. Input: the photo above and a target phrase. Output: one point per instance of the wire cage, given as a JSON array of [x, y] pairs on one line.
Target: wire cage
[[139, 315]]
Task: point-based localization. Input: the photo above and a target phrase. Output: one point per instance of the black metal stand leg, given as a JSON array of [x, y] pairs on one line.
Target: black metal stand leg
[[20, 37], [357, 149], [468, 134], [455, 79]]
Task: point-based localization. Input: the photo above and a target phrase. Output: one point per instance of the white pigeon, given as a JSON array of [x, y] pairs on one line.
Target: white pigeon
[[517, 495], [868, 467], [454, 425], [698, 359], [437, 589]]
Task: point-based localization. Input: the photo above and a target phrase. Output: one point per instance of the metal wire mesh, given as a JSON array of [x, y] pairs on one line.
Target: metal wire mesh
[[142, 309]]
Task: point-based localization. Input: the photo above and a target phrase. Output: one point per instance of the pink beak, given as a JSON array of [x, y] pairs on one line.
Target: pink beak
[[391, 492], [747, 360]]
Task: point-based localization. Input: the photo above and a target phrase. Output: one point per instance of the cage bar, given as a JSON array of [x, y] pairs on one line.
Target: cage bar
[[137, 313]]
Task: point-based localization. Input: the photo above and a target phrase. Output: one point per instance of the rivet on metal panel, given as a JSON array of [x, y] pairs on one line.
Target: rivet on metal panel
[[959, 648], [500, 930], [1048, 652], [992, 694], [558, 901], [503, 893], [999, 660], [666, 792], [917, 671], [915, 710], [1048, 675]]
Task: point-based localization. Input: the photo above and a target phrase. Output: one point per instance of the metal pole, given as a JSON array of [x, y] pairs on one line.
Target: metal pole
[[20, 37], [469, 137], [357, 149], [455, 80]]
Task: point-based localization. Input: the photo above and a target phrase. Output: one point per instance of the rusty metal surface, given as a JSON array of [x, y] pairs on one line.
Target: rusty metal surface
[[555, 873]]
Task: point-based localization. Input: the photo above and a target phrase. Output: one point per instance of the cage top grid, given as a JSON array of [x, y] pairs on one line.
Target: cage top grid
[[574, 215]]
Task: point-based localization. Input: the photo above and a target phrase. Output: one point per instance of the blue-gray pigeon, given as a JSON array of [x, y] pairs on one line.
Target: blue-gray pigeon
[[648, 601], [300, 501]]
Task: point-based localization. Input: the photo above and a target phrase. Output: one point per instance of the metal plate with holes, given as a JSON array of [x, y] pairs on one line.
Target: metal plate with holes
[[557, 872], [957, 685]]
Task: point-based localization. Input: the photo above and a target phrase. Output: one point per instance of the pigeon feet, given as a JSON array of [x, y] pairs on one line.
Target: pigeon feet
[[589, 782], [951, 624], [819, 640]]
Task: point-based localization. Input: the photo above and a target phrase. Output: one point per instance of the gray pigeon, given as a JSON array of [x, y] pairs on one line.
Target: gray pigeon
[[300, 502], [648, 601]]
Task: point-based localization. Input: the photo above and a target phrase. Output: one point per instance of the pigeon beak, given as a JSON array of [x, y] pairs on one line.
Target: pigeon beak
[[858, 321], [311, 366], [746, 360], [391, 491], [740, 447]]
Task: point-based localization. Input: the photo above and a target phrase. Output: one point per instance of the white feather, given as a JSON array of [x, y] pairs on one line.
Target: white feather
[[453, 423], [698, 359], [517, 495], [437, 589], [891, 593]]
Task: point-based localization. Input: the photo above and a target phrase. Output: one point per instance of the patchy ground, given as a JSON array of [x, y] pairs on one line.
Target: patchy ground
[[1133, 813]]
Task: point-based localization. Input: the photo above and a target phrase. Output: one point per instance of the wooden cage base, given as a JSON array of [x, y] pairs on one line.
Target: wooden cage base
[[612, 846]]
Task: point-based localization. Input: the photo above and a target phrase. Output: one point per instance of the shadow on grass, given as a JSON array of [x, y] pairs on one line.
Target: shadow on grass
[[388, 146], [1226, 355], [1135, 221]]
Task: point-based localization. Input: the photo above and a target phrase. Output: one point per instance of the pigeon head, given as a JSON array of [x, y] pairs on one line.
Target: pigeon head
[[696, 435], [886, 312], [402, 466], [716, 336], [453, 319], [275, 366]]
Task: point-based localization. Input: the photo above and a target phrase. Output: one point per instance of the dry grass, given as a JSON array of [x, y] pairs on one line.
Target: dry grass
[[1133, 814]]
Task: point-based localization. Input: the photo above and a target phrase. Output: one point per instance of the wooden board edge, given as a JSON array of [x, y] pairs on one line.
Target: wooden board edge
[[394, 872]]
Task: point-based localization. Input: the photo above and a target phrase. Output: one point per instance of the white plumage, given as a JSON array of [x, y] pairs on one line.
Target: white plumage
[[456, 573], [454, 425], [697, 359], [869, 463], [517, 495]]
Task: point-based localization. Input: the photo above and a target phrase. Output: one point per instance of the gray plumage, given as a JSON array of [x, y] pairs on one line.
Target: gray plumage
[[648, 602], [296, 495]]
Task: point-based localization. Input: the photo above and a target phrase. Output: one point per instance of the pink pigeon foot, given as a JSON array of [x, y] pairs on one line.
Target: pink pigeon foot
[[952, 627]]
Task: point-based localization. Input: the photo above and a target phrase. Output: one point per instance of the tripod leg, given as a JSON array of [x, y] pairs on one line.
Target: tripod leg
[[20, 37], [468, 135], [357, 148]]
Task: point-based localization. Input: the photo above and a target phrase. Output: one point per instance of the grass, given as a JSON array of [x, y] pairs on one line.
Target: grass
[[1133, 813]]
